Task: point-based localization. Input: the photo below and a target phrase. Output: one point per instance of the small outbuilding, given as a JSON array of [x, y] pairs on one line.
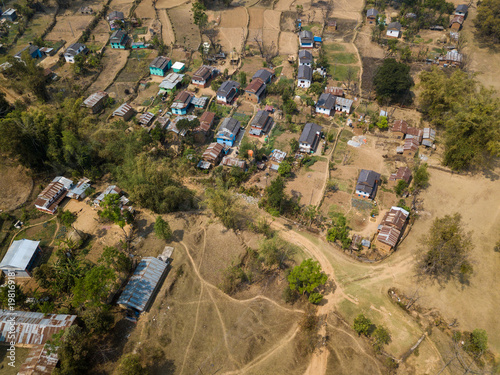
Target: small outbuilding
[[143, 285]]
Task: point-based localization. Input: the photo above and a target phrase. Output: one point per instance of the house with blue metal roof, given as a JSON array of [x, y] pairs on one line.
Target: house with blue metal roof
[[139, 292]]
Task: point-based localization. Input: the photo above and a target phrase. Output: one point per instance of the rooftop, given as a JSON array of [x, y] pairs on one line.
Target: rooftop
[[257, 86], [311, 130], [206, 120], [171, 80], [123, 110], [326, 101], [178, 65], [389, 235], [141, 286], [159, 62], [94, 98], [19, 254], [33, 328], [305, 72]]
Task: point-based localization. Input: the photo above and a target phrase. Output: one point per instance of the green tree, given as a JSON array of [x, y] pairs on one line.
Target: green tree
[[445, 252], [275, 194], [393, 82], [382, 122], [97, 319], [487, 20], [112, 257], [362, 325], [224, 206], [243, 79], [162, 229], [112, 210], [316, 88], [276, 252], [382, 337], [19, 296], [339, 232], [294, 145], [130, 364], [400, 187], [94, 288], [420, 177], [285, 168], [477, 342], [5, 106], [307, 277], [66, 218], [73, 347], [199, 15]]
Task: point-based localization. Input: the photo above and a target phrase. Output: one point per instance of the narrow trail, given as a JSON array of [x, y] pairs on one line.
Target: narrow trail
[[265, 355], [255, 298], [194, 329], [58, 225]]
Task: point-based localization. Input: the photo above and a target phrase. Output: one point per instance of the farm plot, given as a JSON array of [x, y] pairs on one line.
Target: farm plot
[[113, 61], [167, 4], [308, 183], [145, 10], [100, 35], [186, 32], [167, 32], [288, 20], [36, 27], [283, 5], [255, 25], [288, 43], [69, 28]]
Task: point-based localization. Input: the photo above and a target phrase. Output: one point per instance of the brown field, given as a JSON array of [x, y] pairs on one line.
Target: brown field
[[114, 60], [308, 183], [167, 4], [145, 10], [101, 33], [256, 18], [234, 18], [186, 33], [283, 5], [167, 32], [15, 185], [63, 30], [231, 38]]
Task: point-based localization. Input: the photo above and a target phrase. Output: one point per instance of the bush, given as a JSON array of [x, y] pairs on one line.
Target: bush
[[362, 325]]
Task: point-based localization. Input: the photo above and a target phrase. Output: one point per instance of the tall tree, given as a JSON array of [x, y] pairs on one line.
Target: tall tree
[[393, 82], [445, 252], [162, 229], [487, 20], [306, 278]]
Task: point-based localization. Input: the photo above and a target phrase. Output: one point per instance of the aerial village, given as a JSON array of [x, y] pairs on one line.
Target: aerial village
[[234, 118]]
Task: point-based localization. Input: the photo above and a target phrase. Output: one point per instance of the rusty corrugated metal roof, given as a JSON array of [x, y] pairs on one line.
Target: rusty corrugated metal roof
[[33, 328]]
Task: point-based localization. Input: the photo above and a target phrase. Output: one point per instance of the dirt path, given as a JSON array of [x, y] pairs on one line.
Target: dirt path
[[58, 225], [167, 32], [31, 226]]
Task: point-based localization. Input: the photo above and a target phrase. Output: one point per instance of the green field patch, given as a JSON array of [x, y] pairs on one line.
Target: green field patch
[[343, 58], [340, 72], [333, 47], [342, 185]]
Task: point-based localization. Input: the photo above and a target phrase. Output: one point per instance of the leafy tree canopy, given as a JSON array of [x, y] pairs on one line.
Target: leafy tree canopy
[[445, 252], [487, 20], [362, 325], [306, 277], [393, 82]]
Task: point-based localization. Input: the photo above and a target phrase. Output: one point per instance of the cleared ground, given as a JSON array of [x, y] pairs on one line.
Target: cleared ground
[[167, 32], [69, 28], [15, 185], [187, 33], [308, 182], [114, 60]]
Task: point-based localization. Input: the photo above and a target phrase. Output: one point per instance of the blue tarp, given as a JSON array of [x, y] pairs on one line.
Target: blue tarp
[[317, 39]]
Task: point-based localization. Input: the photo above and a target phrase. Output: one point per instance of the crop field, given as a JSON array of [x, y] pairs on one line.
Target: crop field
[[186, 33], [114, 60], [69, 27]]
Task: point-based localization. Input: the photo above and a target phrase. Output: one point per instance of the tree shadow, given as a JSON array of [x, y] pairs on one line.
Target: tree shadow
[[143, 227], [165, 367], [178, 234]]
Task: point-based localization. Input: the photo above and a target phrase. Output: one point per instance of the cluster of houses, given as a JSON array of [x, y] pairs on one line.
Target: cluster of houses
[[412, 137], [394, 28]]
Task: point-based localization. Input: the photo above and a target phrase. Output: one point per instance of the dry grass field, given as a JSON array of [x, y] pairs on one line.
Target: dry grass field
[[308, 182], [69, 27], [15, 185], [167, 31], [114, 60], [186, 33]]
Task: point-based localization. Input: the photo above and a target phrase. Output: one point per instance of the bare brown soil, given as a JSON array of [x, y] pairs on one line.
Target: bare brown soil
[[15, 185], [307, 183], [166, 27], [187, 33], [69, 28], [114, 60]]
